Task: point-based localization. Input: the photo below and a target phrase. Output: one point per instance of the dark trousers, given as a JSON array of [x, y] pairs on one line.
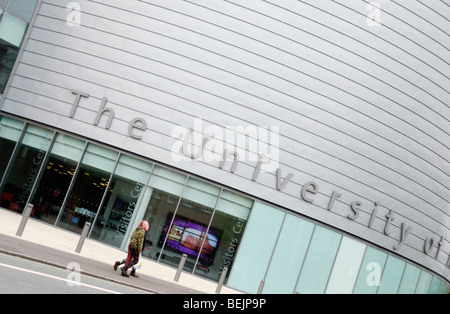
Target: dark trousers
[[132, 258]]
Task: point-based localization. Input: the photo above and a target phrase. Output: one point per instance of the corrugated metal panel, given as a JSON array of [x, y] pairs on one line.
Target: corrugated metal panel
[[362, 110]]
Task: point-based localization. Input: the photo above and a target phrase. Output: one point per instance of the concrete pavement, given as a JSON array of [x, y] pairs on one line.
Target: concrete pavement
[[55, 246]]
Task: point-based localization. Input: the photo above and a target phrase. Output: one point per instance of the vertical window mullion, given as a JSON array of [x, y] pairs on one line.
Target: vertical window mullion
[[13, 154], [105, 193], [207, 230], [66, 198], [173, 218]]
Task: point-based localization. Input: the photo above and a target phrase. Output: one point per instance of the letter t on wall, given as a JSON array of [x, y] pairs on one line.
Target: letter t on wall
[[77, 101]]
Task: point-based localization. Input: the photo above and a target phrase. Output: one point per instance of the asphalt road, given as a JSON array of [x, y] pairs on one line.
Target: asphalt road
[[39, 253], [22, 276]]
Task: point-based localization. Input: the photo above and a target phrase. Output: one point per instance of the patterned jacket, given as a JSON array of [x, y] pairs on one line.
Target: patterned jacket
[[137, 238]]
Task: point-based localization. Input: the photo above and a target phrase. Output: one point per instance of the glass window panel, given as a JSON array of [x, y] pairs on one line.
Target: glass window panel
[[55, 180], [10, 131], [256, 248], [423, 285], [37, 137], [68, 147], [144, 198], [160, 207], [161, 199], [409, 280], [100, 158], [188, 232], [289, 255], [201, 192], [123, 197], [435, 284], [167, 180], [138, 170], [133, 169], [444, 288], [26, 164], [392, 275], [319, 261], [23, 8], [3, 3], [369, 277], [229, 221], [12, 29], [235, 204], [88, 188], [346, 267], [10, 128], [8, 56]]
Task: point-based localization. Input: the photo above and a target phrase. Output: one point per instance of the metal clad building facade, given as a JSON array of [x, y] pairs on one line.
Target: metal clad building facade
[[349, 100]]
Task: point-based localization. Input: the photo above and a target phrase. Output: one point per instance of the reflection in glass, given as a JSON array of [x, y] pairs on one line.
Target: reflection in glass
[[319, 261], [23, 8], [186, 230], [8, 55], [346, 267], [10, 131], [256, 248], [409, 280], [91, 182], [392, 275], [12, 31], [444, 288], [424, 282], [22, 174], [161, 197], [227, 226], [122, 200], [159, 208], [369, 278], [57, 175], [289, 255]]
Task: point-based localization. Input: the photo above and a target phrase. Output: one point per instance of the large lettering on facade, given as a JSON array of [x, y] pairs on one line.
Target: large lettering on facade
[[432, 247]]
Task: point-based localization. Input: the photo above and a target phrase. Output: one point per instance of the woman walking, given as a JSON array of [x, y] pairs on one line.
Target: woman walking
[[134, 249]]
